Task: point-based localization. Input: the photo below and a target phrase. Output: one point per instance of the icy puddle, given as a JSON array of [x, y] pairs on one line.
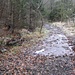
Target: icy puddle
[[55, 45]]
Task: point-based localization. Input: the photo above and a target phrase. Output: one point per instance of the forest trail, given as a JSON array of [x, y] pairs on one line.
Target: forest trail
[[55, 43], [43, 58]]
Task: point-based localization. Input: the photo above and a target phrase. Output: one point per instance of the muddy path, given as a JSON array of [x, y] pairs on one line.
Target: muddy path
[[52, 55]]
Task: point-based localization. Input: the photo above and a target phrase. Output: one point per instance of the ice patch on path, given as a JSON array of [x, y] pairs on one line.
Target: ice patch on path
[[39, 51], [56, 45]]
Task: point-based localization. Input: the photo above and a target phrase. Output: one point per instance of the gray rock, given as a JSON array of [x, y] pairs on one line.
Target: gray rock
[[3, 50]]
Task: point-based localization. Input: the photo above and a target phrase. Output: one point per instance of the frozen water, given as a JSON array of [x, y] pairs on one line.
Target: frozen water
[[40, 51], [56, 45]]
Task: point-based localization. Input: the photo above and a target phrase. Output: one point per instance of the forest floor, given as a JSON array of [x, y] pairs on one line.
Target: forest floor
[[37, 57]]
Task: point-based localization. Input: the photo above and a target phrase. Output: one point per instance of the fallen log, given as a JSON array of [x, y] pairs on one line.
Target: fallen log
[[14, 42]]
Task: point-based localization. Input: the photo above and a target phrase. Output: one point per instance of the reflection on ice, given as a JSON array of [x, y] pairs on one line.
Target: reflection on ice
[[40, 51]]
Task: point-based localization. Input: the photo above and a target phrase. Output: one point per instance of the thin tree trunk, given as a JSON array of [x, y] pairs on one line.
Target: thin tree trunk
[[30, 28], [41, 20], [2, 9], [12, 17]]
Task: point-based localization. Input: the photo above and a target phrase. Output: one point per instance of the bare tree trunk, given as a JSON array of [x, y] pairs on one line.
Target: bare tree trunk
[[30, 28], [41, 19], [12, 17], [38, 11], [2, 8]]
